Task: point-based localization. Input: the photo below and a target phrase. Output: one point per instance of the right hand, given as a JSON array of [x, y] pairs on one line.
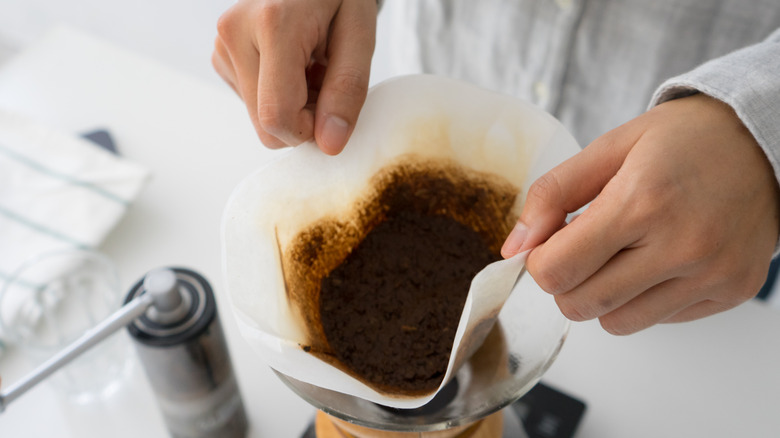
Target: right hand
[[683, 219], [301, 66]]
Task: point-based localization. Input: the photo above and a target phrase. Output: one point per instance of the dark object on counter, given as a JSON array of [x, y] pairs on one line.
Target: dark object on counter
[[771, 279], [182, 349], [546, 412], [102, 138]]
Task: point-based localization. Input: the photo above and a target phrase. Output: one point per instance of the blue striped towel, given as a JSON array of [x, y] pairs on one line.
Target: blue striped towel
[[57, 191]]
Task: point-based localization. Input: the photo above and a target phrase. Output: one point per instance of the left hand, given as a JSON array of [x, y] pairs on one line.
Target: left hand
[[300, 66], [682, 224]]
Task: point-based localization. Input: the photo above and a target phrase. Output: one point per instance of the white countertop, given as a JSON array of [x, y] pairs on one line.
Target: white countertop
[[718, 377]]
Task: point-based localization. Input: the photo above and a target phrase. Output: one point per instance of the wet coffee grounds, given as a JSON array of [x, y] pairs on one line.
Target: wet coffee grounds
[[378, 287], [390, 310]]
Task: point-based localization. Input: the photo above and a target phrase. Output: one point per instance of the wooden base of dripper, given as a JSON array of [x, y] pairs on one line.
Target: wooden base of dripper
[[327, 426]]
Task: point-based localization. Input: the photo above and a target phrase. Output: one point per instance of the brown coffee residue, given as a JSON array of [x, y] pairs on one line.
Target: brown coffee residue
[[380, 290], [391, 309]]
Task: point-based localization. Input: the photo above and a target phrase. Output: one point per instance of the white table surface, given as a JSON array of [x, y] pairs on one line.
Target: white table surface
[[718, 377]]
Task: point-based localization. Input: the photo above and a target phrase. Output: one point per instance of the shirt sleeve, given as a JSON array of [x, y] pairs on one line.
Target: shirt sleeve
[[748, 80]]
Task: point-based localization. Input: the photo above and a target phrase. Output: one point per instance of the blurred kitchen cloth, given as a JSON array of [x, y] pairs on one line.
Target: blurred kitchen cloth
[[57, 191]]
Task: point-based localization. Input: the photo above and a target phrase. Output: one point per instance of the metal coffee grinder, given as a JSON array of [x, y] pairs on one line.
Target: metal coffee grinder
[[172, 319], [182, 348]]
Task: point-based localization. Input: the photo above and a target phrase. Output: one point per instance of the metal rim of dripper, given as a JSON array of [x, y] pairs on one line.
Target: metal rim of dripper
[[400, 422]]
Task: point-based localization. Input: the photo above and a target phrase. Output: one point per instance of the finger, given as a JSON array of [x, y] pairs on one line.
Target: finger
[[697, 311], [282, 91], [247, 74], [345, 84], [245, 59], [600, 238], [727, 286], [655, 305], [622, 279], [220, 59], [566, 188]]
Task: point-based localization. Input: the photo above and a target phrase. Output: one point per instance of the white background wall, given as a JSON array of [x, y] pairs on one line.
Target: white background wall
[[179, 33]]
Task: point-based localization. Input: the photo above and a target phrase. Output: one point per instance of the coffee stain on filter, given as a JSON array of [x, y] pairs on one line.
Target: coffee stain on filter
[[484, 202]]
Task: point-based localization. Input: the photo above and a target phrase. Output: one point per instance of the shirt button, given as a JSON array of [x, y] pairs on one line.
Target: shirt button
[[542, 92], [565, 5]]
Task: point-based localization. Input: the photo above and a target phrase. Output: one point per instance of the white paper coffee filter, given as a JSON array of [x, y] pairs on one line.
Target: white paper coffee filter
[[430, 117]]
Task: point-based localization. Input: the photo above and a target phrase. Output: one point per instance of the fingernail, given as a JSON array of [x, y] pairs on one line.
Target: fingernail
[[515, 240], [334, 134]]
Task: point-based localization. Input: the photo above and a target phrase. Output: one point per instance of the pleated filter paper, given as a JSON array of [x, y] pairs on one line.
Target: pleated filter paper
[[409, 126]]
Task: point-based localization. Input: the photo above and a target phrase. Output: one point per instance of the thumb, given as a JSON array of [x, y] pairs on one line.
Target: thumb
[[565, 189], [345, 84]]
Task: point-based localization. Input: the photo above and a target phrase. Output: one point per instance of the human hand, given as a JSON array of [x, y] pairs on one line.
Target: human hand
[[301, 66], [683, 222]]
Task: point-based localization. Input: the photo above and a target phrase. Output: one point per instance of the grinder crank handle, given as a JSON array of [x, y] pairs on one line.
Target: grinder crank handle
[[89, 339], [161, 291]]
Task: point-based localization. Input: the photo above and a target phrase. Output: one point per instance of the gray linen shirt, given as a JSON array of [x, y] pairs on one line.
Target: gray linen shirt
[[596, 64]]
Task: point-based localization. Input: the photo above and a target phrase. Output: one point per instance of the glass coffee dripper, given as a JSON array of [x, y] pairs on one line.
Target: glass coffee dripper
[[523, 344]]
